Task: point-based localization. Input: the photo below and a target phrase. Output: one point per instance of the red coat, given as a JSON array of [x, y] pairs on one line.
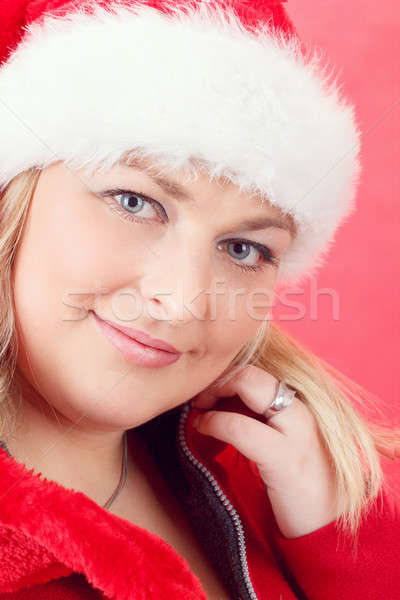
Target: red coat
[[57, 543]]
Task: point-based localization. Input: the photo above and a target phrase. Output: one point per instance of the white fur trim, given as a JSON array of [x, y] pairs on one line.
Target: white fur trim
[[87, 88]]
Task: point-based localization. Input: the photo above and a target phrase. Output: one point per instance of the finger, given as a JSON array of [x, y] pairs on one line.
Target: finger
[[255, 440], [257, 389], [262, 384], [295, 421], [209, 396]]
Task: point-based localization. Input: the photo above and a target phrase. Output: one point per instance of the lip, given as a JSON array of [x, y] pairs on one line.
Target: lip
[[133, 349], [142, 337]]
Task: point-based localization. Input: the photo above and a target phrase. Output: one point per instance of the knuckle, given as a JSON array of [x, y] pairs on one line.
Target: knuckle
[[248, 370], [247, 374]]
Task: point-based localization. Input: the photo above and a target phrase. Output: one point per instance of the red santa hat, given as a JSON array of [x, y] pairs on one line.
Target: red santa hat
[[227, 82]]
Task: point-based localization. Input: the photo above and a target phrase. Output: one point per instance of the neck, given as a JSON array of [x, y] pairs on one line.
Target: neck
[[76, 456]]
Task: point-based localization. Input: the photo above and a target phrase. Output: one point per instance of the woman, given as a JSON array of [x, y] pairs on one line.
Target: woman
[[158, 174]]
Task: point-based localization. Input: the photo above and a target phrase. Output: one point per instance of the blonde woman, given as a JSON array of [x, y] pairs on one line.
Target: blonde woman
[[160, 436]]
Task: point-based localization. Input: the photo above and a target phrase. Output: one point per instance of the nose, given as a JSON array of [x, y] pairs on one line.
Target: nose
[[174, 286]]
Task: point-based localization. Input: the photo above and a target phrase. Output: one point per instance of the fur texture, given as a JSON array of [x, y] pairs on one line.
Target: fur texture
[[86, 87]]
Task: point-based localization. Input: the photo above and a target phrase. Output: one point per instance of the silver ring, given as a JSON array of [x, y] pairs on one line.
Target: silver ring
[[284, 397]]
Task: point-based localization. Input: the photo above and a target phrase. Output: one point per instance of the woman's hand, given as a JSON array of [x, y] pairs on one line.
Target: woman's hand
[[289, 452]]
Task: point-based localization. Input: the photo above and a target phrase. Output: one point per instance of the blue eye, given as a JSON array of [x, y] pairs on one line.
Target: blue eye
[[130, 203], [133, 201], [245, 248]]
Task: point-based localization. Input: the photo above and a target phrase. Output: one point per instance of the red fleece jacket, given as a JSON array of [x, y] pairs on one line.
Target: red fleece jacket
[[56, 543]]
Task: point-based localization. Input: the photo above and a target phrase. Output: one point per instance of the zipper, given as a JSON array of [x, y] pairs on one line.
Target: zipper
[[232, 512]]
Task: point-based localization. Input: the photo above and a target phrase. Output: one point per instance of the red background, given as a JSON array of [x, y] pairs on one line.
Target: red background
[[361, 39]]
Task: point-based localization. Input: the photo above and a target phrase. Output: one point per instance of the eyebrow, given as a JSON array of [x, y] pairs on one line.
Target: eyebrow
[[176, 190]]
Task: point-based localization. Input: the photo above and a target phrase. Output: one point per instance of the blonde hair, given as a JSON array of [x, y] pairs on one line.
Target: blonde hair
[[353, 443]]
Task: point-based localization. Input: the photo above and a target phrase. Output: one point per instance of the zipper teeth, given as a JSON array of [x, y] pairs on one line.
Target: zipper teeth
[[222, 497]]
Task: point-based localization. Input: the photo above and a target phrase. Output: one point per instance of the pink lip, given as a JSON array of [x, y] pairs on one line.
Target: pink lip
[[133, 349], [142, 337]]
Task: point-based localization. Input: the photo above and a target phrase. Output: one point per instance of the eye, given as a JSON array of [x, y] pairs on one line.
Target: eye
[[249, 254], [129, 204]]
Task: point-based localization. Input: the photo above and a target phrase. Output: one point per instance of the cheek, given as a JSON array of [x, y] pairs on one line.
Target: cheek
[[228, 334], [50, 263], [73, 247], [224, 344], [242, 309], [54, 263]]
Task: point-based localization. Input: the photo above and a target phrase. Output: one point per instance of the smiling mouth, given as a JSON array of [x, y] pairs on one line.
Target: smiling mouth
[[141, 336], [134, 350]]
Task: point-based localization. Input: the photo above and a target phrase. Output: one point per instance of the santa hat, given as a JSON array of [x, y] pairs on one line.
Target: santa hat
[[227, 82]]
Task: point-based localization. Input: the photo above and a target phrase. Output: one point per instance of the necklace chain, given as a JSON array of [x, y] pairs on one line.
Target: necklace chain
[[122, 478]]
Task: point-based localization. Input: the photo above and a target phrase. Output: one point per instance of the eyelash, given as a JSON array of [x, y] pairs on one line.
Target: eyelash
[[267, 256]]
